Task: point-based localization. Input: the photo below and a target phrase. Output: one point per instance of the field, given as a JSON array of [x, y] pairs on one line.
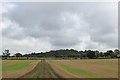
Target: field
[[99, 68], [85, 68], [17, 68]]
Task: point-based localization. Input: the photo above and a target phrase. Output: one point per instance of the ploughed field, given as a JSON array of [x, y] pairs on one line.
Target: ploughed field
[[17, 68], [90, 68], [86, 68]]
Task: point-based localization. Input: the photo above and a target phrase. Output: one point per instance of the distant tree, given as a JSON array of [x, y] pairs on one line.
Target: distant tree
[[117, 51], [71, 53], [6, 53], [18, 55], [113, 55], [83, 54], [90, 54], [109, 53], [97, 53], [101, 54]]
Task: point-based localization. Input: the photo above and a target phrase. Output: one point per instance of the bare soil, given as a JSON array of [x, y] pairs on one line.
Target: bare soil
[[106, 68], [18, 73], [61, 71], [42, 70]]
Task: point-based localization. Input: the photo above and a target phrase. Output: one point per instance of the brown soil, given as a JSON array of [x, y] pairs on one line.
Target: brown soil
[[106, 68], [61, 71], [8, 63], [18, 73], [43, 70], [27, 75]]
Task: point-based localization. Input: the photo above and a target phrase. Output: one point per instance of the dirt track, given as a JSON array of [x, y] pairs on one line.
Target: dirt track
[[42, 70]]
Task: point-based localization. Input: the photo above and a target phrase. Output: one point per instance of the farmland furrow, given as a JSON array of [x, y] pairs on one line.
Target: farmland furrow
[[31, 72], [42, 70], [16, 66]]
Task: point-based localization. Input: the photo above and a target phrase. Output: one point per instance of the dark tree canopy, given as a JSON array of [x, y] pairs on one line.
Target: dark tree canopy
[[6, 54], [71, 53], [18, 55], [68, 53]]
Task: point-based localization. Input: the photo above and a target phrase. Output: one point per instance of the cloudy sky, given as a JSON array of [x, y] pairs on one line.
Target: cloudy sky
[[37, 26]]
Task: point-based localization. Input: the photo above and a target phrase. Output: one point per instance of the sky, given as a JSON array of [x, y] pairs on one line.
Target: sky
[[43, 26]]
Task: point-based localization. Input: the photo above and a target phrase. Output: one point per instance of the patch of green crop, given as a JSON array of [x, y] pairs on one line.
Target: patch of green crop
[[35, 60], [50, 61], [78, 71], [49, 69], [39, 70], [17, 66], [35, 74]]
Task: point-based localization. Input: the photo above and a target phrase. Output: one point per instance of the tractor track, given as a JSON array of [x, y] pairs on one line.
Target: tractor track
[[42, 71]]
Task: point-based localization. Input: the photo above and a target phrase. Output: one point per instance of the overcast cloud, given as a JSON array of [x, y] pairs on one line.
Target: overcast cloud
[[35, 27]]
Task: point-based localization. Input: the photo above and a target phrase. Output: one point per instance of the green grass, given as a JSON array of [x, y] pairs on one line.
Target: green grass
[[78, 71], [35, 74], [35, 60], [39, 70], [50, 61], [17, 66]]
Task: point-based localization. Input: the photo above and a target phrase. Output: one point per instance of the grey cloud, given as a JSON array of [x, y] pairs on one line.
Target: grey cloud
[[64, 24], [13, 31]]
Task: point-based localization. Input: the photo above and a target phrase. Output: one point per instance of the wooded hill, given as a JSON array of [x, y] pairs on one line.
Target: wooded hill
[[71, 53]]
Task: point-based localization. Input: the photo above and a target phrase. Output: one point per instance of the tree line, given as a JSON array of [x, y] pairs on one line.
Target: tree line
[[69, 53]]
